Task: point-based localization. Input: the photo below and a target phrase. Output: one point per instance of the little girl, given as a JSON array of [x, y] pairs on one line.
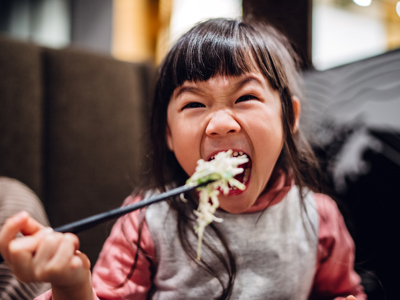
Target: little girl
[[226, 84]]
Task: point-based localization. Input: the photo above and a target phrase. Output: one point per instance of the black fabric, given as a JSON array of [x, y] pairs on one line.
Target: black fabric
[[21, 112], [354, 121]]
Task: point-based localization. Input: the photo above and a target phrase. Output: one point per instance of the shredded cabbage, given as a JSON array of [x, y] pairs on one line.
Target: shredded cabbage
[[221, 171]]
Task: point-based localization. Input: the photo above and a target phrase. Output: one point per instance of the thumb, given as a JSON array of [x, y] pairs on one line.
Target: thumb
[[83, 257]]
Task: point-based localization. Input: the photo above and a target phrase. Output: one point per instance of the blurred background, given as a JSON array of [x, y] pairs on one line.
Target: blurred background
[[331, 32], [350, 54]]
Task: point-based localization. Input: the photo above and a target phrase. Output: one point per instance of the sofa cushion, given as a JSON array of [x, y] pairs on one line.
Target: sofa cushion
[[95, 136], [21, 112]]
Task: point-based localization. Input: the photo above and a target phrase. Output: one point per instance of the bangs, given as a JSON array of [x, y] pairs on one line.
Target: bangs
[[223, 47], [203, 57]]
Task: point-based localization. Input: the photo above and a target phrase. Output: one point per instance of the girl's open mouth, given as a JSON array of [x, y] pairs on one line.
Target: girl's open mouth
[[243, 177]]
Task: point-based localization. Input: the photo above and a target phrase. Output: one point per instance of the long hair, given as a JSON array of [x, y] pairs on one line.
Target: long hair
[[230, 48]]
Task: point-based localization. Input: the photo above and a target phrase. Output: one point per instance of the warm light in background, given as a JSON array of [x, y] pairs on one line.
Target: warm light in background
[[343, 32], [132, 31], [146, 29], [185, 13], [362, 2]]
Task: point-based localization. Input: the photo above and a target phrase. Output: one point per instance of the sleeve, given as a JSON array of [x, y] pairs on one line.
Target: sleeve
[[45, 296], [116, 259], [335, 275]]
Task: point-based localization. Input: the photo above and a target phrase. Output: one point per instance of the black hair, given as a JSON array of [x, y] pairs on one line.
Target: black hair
[[232, 48]]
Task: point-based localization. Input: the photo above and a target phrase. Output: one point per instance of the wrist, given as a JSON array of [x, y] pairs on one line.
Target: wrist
[[83, 291]]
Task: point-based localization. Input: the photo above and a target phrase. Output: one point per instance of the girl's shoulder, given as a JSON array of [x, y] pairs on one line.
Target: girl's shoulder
[[326, 206], [331, 222]]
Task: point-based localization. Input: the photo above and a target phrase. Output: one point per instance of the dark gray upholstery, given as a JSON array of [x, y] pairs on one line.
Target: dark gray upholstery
[[21, 113], [73, 128]]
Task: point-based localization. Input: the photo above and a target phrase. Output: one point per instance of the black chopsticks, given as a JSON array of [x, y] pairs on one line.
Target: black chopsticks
[[81, 225]]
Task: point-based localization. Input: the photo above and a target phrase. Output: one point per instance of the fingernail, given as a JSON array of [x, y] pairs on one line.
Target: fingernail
[[47, 230], [20, 215]]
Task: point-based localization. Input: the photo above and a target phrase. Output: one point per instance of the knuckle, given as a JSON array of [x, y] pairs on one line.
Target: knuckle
[[52, 238], [13, 252], [70, 237]]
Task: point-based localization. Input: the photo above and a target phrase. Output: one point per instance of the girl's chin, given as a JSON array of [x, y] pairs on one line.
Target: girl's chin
[[233, 208], [236, 203]]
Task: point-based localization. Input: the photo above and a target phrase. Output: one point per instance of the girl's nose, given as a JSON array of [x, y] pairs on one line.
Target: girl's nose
[[222, 123]]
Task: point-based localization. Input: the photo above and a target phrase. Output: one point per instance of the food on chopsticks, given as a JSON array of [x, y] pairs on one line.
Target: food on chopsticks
[[221, 170]]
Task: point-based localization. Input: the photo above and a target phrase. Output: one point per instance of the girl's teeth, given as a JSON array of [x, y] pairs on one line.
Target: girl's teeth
[[235, 154]]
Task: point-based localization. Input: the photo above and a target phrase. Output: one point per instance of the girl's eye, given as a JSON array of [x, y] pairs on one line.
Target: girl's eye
[[193, 105], [245, 98]]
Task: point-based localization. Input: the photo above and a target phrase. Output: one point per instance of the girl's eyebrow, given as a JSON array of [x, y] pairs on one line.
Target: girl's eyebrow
[[247, 80], [187, 89], [194, 90]]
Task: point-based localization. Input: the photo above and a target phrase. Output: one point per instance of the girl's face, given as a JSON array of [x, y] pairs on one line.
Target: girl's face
[[225, 112]]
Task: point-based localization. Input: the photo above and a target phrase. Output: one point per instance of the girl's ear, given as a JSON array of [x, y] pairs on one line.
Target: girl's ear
[[296, 110], [169, 139]]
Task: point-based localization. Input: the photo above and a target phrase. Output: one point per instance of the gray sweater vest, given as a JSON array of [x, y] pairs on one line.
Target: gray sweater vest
[[275, 252]]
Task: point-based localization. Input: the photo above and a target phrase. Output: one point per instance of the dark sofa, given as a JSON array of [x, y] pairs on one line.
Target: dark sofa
[[73, 127], [355, 121]]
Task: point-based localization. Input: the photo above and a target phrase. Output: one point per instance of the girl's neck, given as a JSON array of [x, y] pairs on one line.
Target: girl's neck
[[280, 184]]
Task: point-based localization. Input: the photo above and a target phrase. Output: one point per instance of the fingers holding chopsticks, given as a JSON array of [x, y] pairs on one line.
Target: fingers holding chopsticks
[[42, 254], [19, 223], [19, 251]]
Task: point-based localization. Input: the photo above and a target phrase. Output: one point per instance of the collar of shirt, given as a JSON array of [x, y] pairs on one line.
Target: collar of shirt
[[279, 186]]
